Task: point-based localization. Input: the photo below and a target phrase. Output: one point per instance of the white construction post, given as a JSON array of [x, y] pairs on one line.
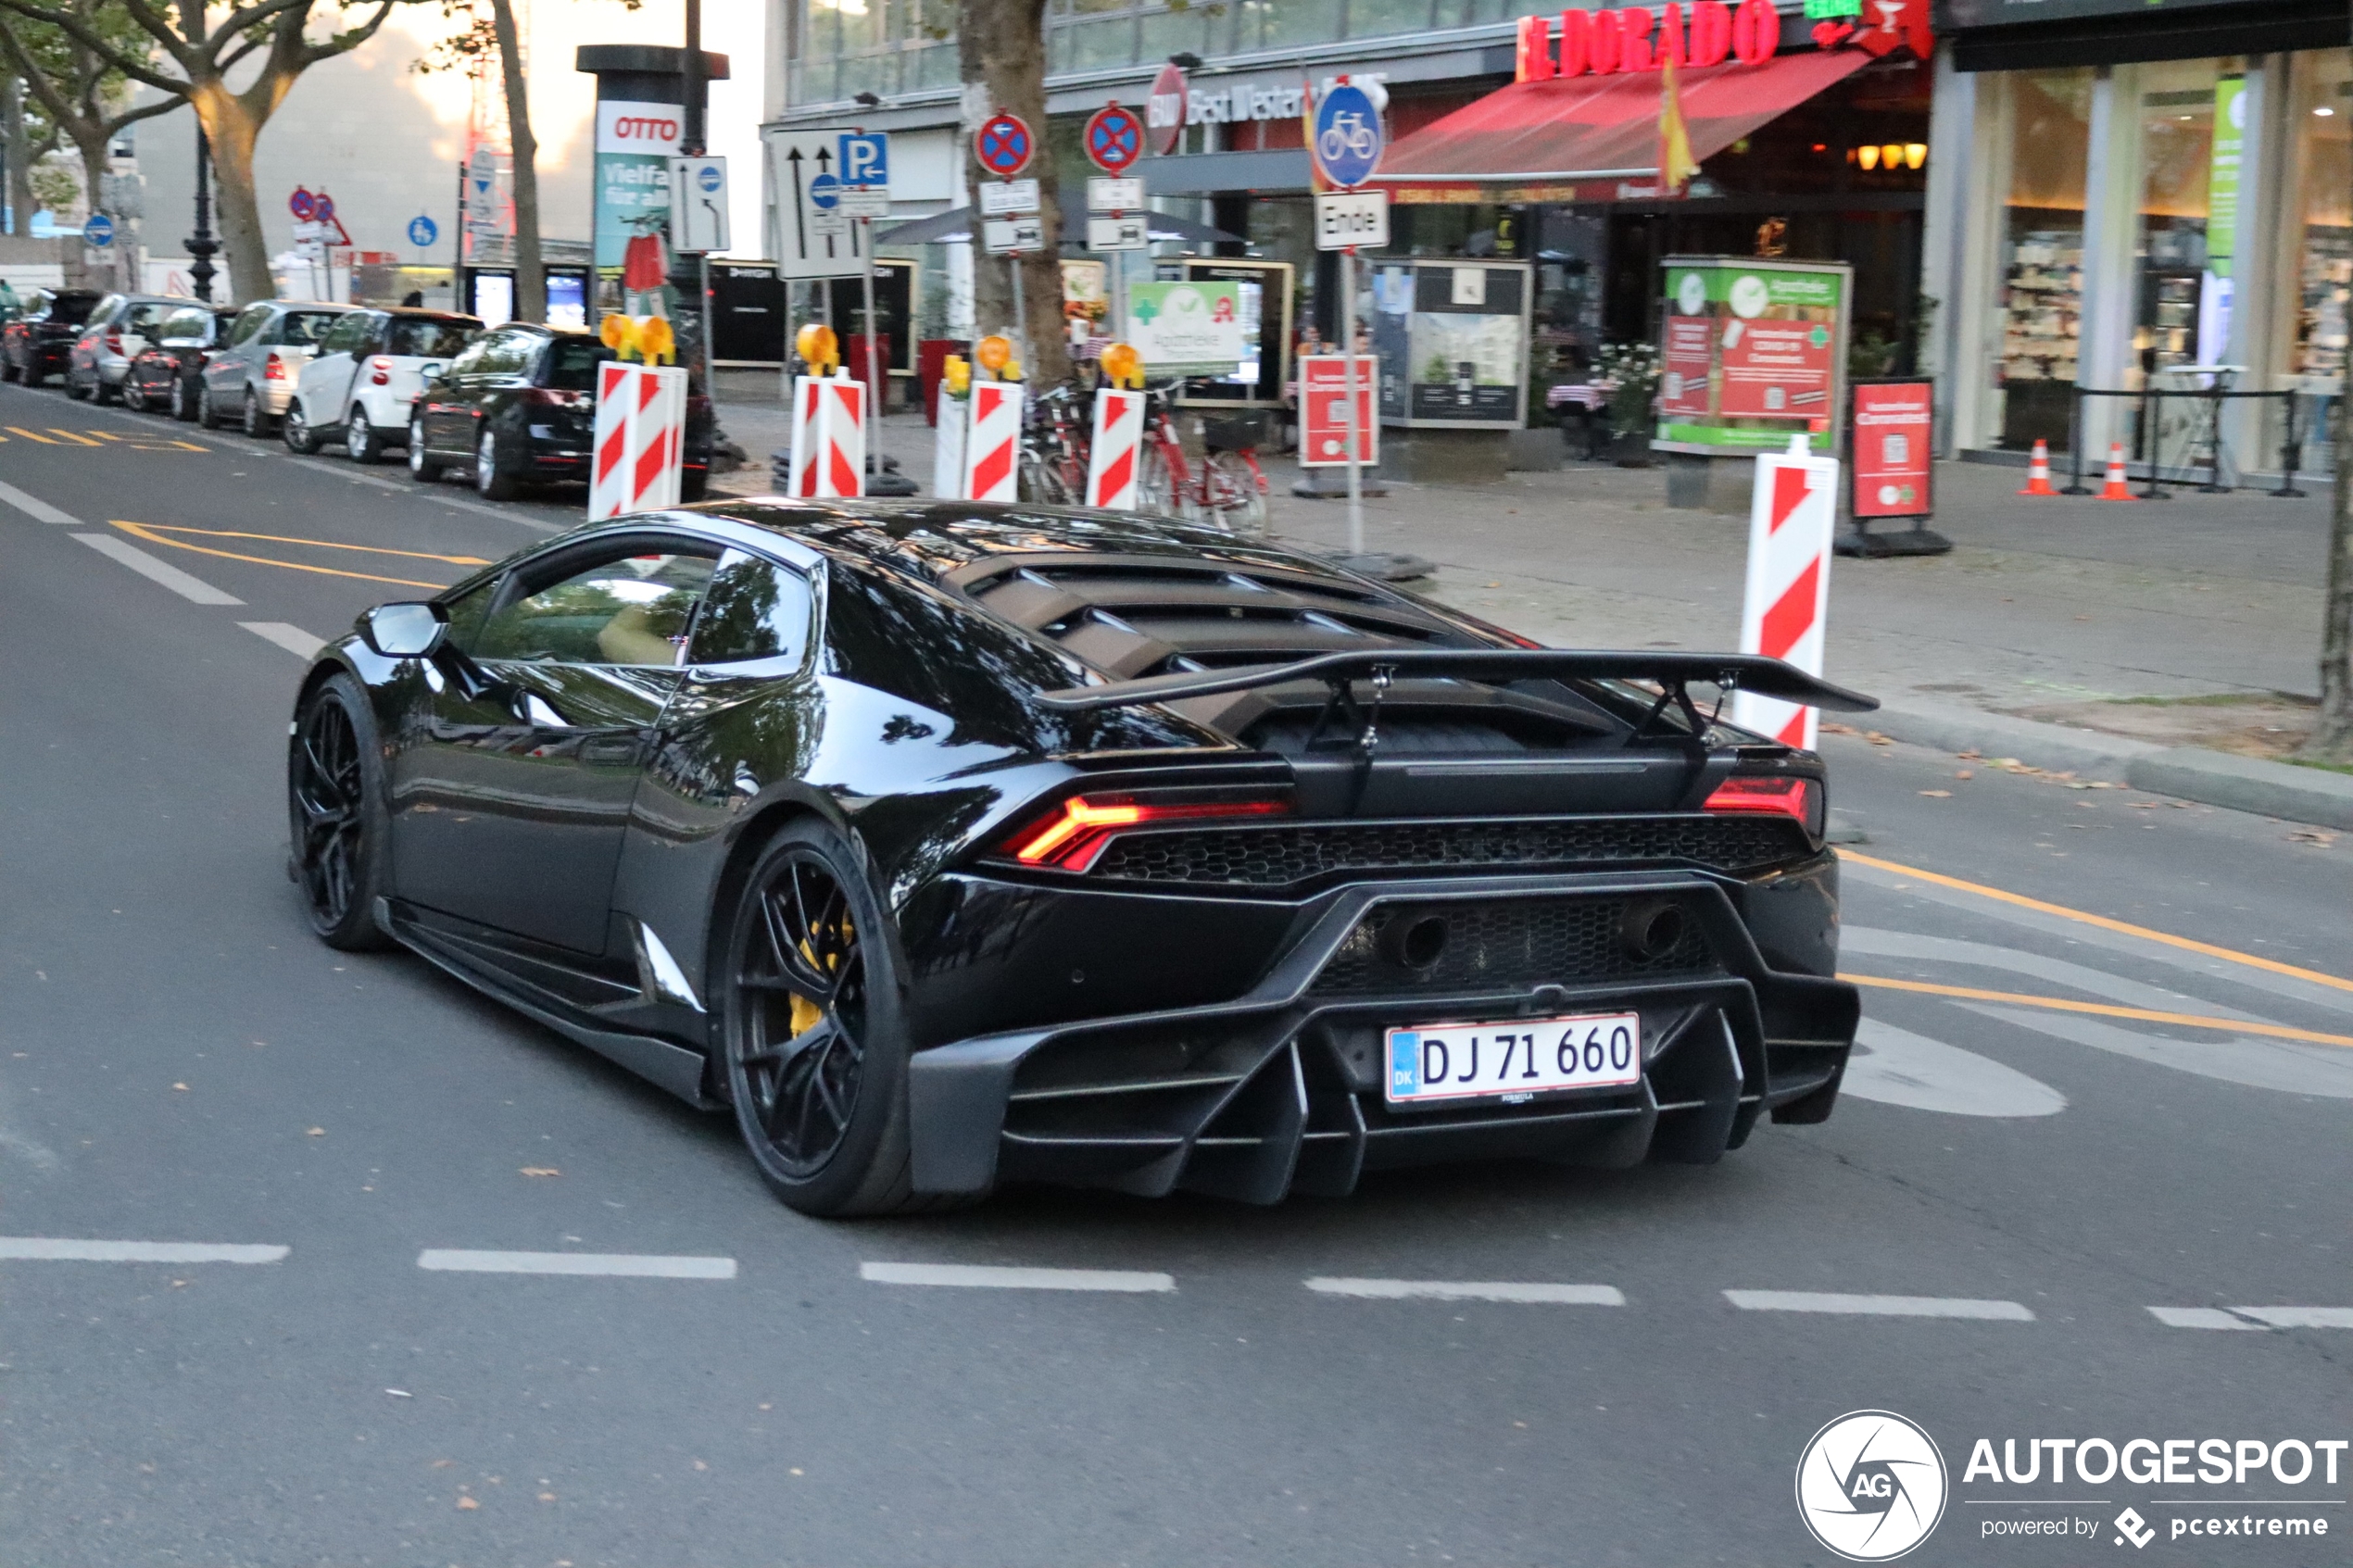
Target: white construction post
[[1792, 515]]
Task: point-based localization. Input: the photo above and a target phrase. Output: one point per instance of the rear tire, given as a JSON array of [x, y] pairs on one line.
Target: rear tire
[[208, 416], [255, 420], [9, 371], [75, 390], [132, 398], [337, 815], [184, 400], [492, 481], [34, 375], [814, 1043]]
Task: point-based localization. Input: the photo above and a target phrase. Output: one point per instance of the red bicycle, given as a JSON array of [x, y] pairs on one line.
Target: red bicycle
[[1226, 489]]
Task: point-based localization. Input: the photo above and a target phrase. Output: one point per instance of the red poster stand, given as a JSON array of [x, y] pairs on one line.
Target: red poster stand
[[1891, 431]]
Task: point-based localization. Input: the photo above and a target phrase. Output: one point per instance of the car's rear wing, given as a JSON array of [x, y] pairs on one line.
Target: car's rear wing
[[1670, 672]]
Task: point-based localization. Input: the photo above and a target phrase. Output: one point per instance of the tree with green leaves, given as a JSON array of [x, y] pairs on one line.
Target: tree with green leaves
[[83, 98], [187, 50]]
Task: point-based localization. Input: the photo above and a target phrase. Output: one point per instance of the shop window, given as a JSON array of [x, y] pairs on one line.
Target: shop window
[[2188, 213], [2324, 122], [2040, 278]]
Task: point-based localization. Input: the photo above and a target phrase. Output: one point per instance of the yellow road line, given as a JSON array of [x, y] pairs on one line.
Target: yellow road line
[[19, 430], [2103, 1009], [2184, 943], [77, 440], [142, 532], [295, 539]]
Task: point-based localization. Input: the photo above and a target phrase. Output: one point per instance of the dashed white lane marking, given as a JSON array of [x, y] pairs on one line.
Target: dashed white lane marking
[[194, 589], [629, 1265], [294, 639], [51, 1249], [35, 507], [2202, 1317], [983, 1276], [2286, 1317], [1877, 1305], [1896, 1067], [432, 494], [1470, 1290]]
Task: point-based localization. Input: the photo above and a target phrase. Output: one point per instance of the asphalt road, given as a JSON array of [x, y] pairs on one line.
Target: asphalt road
[[2113, 1080]]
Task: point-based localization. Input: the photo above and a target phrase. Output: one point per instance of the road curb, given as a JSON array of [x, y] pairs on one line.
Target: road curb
[[2247, 783], [2187, 772]]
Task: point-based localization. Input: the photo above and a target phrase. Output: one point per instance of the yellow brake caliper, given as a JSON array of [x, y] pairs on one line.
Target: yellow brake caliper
[[806, 1013]]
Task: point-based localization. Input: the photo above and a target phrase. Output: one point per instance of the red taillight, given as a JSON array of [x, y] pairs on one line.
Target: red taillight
[[1077, 831], [275, 369], [1770, 797], [380, 371], [114, 343]]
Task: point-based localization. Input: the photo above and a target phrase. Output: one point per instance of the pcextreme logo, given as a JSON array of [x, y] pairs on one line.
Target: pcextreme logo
[[1871, 1486]]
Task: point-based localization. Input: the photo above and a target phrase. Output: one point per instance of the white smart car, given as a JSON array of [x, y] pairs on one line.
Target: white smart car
[[367, 371]]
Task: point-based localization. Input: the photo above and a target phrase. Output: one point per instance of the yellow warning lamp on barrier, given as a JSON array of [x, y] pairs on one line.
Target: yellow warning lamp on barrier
[[956, 371], [819, 348], [994, 353], [618, 333], [656, 344], [1124, 366]]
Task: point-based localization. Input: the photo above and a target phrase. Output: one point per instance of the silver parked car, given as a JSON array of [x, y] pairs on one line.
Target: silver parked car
[[120, 326], [252, 379]]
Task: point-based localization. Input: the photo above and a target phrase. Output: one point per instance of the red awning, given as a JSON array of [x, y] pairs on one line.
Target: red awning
[[1575, 138]]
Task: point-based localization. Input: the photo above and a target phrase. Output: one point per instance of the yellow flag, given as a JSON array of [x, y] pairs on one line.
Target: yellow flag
[[1676, 165]]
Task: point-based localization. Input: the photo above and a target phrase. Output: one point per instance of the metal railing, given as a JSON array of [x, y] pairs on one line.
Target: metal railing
[[2204, 443]]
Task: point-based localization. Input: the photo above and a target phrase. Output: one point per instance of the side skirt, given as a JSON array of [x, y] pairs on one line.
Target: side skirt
[[670, 1066]]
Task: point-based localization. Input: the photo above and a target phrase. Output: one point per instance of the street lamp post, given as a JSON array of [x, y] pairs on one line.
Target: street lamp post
[[690, 276], [201, 245]]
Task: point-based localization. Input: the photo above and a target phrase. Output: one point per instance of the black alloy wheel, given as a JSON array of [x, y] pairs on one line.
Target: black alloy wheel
[[335, 802], [814, 1050]]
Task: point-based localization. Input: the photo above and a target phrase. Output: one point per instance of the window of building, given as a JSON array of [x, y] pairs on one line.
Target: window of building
[[2039, 275], [2192, 118], [2322, 122]]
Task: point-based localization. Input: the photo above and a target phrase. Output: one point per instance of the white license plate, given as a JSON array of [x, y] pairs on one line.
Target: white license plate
[[1513, 1060]]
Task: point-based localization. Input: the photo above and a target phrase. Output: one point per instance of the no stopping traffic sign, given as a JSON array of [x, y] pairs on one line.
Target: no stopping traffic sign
[[1003, 144]]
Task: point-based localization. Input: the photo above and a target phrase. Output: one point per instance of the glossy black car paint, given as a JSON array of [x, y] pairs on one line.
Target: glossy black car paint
[[557, 830], [506, 383], [39, 344]]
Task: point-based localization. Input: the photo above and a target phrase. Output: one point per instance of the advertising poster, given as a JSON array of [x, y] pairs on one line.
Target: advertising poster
[[1187, 329], [634, 141], [1891, 453], [1755, 352], [1452, 338], [1323, 383]]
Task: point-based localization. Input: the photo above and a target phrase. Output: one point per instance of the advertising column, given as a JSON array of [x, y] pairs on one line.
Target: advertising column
[[634, 141]]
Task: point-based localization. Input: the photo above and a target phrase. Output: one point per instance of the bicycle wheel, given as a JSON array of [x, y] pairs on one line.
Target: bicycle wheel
[[1232, 495], [1038, 483]]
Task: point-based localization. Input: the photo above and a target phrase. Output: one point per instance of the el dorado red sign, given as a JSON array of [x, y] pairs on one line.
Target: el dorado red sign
[[1627, 38], [1891, 469]]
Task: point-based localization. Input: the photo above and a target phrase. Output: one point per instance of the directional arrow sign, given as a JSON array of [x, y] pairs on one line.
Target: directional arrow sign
[[817, 239]]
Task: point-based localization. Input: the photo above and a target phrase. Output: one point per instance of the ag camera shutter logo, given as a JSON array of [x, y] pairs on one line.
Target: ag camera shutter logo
[[1871, 1486]]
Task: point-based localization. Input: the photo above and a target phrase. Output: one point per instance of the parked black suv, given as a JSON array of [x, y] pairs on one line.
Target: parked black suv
[[40, 341], [520, 405]]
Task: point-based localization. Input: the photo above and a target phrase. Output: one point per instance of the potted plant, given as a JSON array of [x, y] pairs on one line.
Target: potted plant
[[1630, 370]]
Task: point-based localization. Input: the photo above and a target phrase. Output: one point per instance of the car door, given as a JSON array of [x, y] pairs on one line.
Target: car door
[[327, 380], [449, 405], [225, 375], [511, 799]]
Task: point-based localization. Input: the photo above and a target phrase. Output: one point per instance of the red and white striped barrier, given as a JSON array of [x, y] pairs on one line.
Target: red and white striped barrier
[[1115, 454], [992, 443], [641, 439], [948, 448], [829, 435], [1791, 520]]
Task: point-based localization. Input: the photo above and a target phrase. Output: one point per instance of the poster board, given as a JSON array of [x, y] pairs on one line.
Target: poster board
[[1453, 337], [1267, 302], [1753, 351]]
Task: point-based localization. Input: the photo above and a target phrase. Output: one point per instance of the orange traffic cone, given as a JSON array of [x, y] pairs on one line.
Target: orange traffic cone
[[2117, 488], [2038, 471]]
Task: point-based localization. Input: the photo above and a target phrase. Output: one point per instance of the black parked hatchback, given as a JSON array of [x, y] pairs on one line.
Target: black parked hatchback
[[520, 406]]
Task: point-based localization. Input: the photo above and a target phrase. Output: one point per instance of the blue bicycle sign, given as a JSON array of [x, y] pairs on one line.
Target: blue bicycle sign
[[1347, 136], [423, 231]]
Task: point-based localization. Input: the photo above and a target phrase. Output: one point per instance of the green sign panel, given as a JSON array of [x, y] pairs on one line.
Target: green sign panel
[[1751, 352]]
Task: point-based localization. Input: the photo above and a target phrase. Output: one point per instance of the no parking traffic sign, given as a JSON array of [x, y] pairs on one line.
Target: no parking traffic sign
[[1003, 144], [1114, 137]]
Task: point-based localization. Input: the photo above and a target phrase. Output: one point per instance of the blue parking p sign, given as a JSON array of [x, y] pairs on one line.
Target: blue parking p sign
[[865, 160]]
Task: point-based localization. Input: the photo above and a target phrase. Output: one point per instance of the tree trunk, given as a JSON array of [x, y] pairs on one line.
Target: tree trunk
[[531, 272], [231, 129], [18, 146], [94, 196], [1001, 47], [2332, 734]]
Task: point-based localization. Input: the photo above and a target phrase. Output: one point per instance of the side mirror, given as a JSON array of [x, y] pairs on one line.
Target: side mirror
[[405, 631], [432, 369]]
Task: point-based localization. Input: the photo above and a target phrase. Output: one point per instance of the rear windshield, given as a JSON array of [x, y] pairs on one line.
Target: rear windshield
[[142, 319], [425, 337], [73, 308], [573, 362], [307, 326]]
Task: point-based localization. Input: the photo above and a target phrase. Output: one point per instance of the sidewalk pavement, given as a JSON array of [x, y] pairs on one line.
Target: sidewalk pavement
[[2134, 641]]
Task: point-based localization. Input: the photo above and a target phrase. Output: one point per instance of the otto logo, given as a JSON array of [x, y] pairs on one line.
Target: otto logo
[[1871, 1486], [642, 128]]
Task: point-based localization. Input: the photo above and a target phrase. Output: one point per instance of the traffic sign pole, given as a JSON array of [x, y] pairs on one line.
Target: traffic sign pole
[[1356, 446]]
